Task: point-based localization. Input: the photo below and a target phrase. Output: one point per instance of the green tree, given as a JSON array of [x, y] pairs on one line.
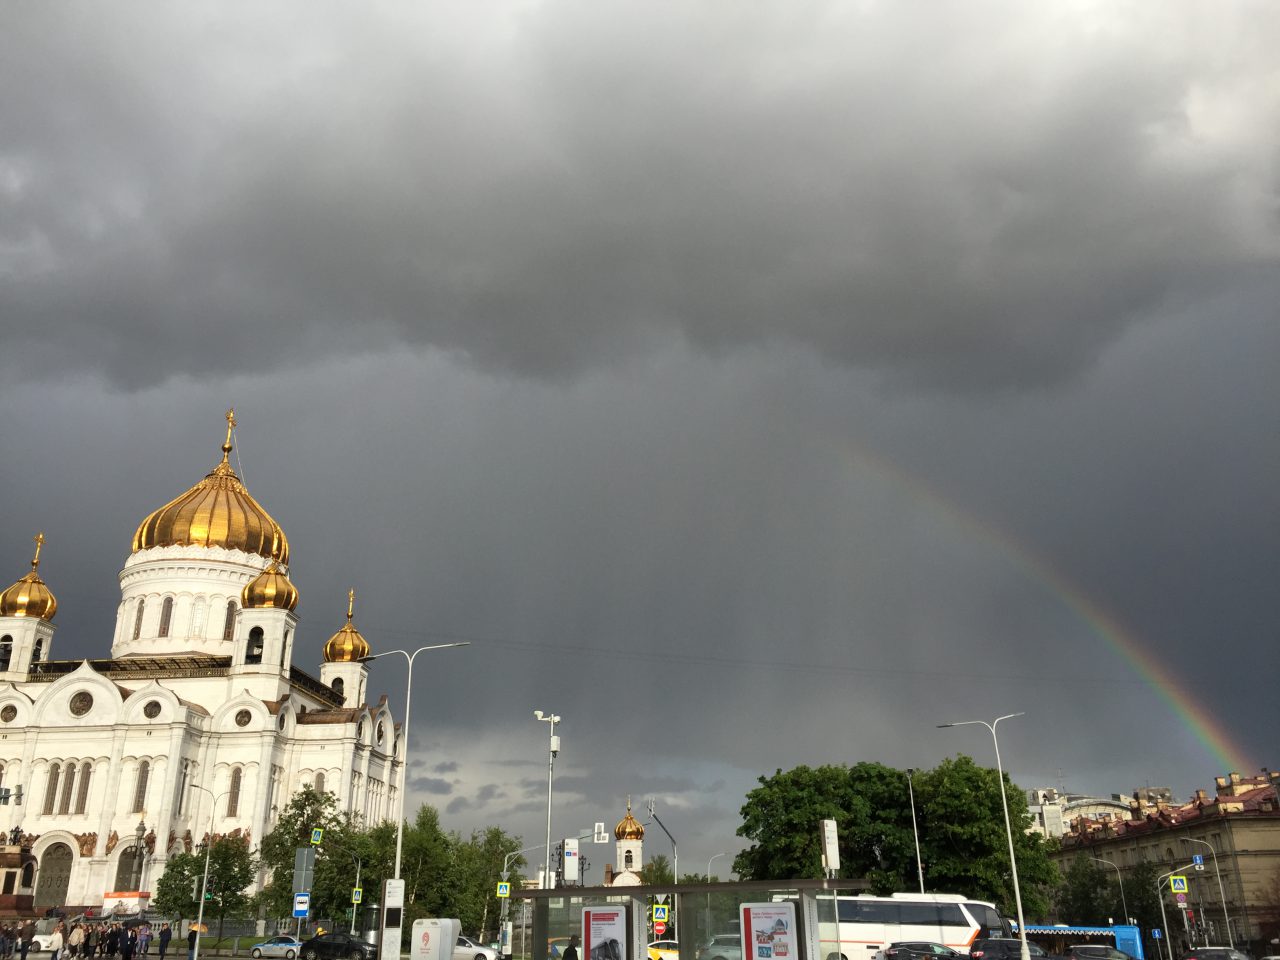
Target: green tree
[[961, 827], [1084, 896], [307, 809], [231, 870], [657, 871]]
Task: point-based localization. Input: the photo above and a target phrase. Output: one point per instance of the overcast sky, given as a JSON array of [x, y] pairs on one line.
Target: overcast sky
[[752, 384]]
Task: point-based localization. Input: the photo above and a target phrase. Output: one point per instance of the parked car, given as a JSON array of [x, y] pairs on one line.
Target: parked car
[[723, 946], [915, 950], [664, 950], [283, 946], [1096, 951], [468, 949], [337, 946], [1214, 953], [1004, 949]]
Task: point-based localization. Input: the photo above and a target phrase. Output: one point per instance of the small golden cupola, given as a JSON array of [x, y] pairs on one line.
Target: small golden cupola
[[628, 827], [346, 646], [29, 597], [270, 588], [217, 512]]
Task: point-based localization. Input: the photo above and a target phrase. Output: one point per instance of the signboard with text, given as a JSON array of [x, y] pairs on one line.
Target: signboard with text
[[769, 931], [604, 933]]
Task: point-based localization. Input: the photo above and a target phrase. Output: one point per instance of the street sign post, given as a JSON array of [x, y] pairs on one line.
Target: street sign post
[[1178, 883], [659, 928], [357, 894], [504, 889], [317, 836], [1157, 933], [301, 905]]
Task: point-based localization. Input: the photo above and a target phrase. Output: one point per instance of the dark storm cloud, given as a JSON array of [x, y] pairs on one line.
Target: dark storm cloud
[[431, 785], [977, 194]]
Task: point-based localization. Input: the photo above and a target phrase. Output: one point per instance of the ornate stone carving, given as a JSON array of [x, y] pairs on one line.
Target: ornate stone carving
[[29, 839], [173, 836], [112, 840], [150, 842], [88, 842], [186, 841]]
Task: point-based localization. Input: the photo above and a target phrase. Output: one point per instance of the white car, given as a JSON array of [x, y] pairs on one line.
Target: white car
[[468, 949], [279, 948]]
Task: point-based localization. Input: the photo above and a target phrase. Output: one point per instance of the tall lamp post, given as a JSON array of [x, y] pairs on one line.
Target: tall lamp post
[[208, 849], [408, 696], [553, 749], [714, 856], [139, 835], [1231, 940], [1008, 827], [1124, 903], [914, 829]]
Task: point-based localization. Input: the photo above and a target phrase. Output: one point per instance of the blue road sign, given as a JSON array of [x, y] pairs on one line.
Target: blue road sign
[[1156, 933], [301, 905], [1198, 859]]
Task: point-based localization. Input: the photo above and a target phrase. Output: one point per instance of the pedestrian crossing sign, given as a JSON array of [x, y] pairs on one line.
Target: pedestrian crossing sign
[[1178, 884], [660, 912], [504, 888]]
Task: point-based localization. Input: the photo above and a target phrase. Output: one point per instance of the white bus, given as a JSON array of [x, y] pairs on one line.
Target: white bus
[[869, 924]]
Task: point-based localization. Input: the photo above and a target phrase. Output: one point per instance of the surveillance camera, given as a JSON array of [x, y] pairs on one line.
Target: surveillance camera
[[537, 714]]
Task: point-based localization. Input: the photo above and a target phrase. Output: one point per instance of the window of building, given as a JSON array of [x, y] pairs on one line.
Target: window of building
[[38, 652], [137, 620], [68, 789], [140, 787], [284, 647], [253, 653], [337, 686], [182, 787], [82, 797], [233, 796], [6, 651], [229, 624], [51, 789], [319, 783], [166, 615]]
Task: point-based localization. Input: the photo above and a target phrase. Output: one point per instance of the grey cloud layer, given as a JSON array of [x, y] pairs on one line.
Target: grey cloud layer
[[968, 194]]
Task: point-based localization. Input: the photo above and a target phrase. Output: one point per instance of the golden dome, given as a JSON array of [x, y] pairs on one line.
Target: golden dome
[[29, 597], [216, 512], [270, 588], [346, 646], [628, 827]]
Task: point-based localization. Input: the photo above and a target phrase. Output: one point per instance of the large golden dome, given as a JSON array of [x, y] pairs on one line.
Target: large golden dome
[[217, 512], [270, 588], [29, 597], [346, 646], [628, 827]]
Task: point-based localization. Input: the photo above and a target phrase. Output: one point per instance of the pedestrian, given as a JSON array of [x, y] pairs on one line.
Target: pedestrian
[[144, 938], [571, 951], [192, 936], [128, 942], [75, 940], [27, 934], [113, 939], [165, 936], [56, 941]]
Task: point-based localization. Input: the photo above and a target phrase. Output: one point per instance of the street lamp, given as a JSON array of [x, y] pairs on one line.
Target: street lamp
[[914, 830], [714, 856], [1231, 940], [404, 763], [1124, 903], [553, 749], [140, 834], [1008, 827], [208, 849]]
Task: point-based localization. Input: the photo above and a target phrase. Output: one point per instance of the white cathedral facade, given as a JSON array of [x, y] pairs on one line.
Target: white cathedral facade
[[198, 722]]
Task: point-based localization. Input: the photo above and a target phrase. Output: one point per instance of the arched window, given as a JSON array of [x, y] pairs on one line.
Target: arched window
[[140, 787], [253, 653], [51, 789], [82, 798], [233, 797], [38, 652], [28, 874], [6, 651], [630, 861], [337, 686], [137, 620], [68, 789], [166, 615], [229, 625], [319, 783], [284, 647]]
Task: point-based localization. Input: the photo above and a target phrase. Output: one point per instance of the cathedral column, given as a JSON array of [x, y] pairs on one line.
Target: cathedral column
[[262, 786], [113, 789]]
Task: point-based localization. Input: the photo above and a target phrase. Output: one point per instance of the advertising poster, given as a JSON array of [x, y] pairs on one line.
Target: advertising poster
[[604, 933], [433, 939], [769, 931]]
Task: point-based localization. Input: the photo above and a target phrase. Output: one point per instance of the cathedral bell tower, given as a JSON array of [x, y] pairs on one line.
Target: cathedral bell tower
[[26, 621], [265, 626], [342, 670]]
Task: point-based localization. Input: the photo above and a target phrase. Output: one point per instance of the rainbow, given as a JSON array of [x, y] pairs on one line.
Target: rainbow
[[1207, 729]]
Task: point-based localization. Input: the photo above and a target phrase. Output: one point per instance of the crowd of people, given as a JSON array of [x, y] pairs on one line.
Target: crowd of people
[[85, 940]]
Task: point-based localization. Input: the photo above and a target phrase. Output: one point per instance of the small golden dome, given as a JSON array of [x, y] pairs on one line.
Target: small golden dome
[[628, 827], [29, 597], [217, 512], [270, 588], [346, 646]]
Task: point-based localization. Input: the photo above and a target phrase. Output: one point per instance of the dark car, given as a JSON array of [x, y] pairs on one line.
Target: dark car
[[337, 946], [1096, 951], [1004, 949], [917, 950]]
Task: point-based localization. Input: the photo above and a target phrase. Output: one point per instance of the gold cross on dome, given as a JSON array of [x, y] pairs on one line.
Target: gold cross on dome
[[351, 603], [226, 444], [39, 539]]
